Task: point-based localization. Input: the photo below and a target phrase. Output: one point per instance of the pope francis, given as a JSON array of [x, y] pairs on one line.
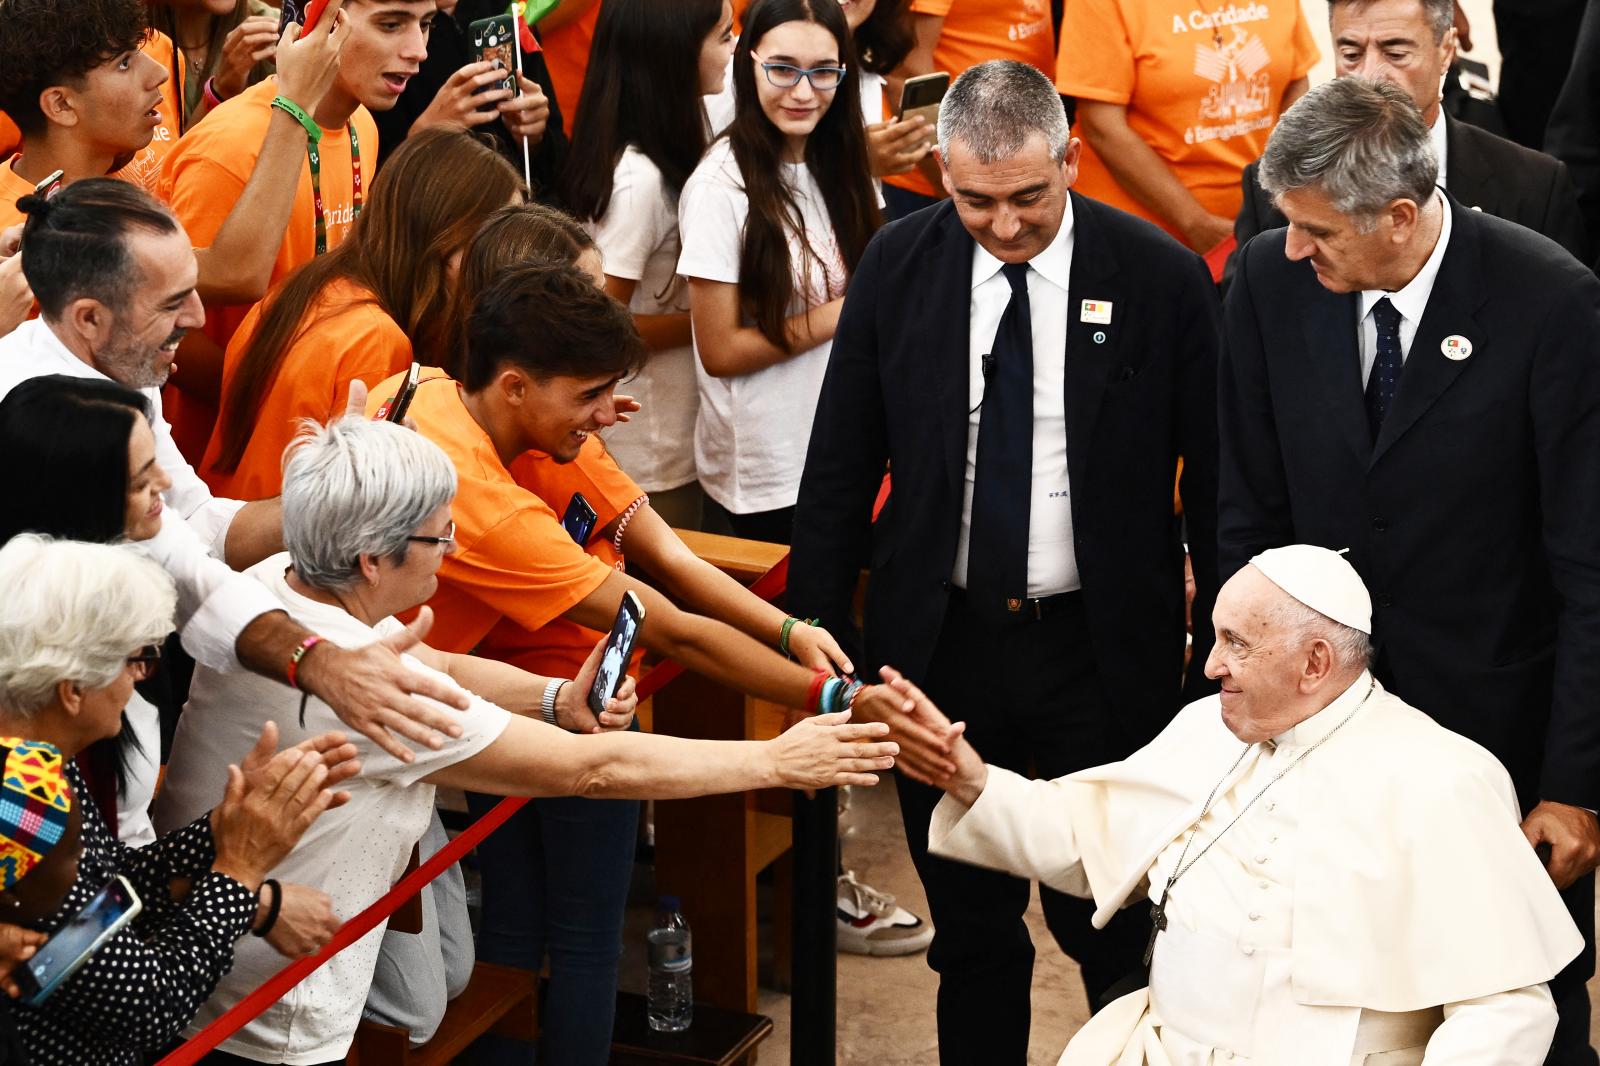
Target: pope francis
[[1333, 877]]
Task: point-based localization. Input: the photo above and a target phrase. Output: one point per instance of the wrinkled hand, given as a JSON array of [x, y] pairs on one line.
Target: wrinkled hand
[[827, 750], [374, 692], [526, 115], [17, 946], [306, 922], [968, 774], [626, 406], [255, 40], [255, 826], [922, 732], [814, 648], [308, 59], [572, 705], [337, 755], [896, 146], [458, 102], [1573, 835], [16, 298]]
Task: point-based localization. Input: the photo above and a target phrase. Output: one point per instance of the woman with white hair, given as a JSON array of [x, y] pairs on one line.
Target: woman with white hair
[[367, 522], [78, 629]]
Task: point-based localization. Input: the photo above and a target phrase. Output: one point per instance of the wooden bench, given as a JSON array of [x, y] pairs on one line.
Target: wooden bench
[[498, 999]]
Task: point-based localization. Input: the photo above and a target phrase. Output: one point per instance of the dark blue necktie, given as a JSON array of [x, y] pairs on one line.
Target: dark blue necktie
[[1386, 365], [997, 558]]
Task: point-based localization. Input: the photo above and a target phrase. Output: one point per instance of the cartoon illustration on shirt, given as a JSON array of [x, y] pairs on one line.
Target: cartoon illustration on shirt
[[1239, 70]]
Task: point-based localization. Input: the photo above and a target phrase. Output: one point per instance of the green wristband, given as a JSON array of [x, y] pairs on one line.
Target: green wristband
[[296, 112]]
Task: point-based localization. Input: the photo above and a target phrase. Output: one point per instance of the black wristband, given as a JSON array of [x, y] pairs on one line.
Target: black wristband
[[272, 908]]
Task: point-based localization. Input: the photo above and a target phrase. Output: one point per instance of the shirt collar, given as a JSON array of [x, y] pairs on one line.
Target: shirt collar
[[1319, 725], [1412, 299], [1054, 264]]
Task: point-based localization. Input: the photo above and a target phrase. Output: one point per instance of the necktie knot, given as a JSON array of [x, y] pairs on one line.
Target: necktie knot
[[1017, 276], [1386, 315]]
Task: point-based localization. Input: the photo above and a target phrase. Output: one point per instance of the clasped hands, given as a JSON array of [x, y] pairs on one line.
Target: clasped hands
[[933, 749]]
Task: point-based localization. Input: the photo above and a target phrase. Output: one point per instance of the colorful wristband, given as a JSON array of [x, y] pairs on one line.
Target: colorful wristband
[[299, 655], [209, 91], [294, 111], [852, 690], [814, 693], [832, 691]]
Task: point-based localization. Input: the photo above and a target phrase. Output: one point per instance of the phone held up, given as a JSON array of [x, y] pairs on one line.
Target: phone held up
[[921, 96], [579, 520], [75, 943], [305, 12], [494, 40], [619, 649], [395, 407]]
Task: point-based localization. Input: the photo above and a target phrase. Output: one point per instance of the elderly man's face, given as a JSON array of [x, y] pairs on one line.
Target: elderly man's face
[[1393, 41], [1259, 665], [1344, 258], [142, 337], [1013, 207]]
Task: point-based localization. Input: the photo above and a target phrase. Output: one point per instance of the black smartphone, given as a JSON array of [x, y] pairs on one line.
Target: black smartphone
[[921, 96], [494, 40], [579, 520], [395, 407], [75, 943], [619, 649]]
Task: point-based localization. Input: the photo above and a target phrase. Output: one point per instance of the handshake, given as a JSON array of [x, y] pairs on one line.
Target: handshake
[[932, 749]]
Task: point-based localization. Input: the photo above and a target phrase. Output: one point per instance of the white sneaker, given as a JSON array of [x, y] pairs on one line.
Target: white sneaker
[[871, 924]]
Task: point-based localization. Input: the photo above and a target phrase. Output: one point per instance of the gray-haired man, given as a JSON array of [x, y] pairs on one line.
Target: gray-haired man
[[1420, 383], [1032, 364]]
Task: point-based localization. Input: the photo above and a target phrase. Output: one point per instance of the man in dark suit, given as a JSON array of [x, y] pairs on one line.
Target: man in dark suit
[[1420, 383], [1031, 365], [1573, 135], [1412, 44]]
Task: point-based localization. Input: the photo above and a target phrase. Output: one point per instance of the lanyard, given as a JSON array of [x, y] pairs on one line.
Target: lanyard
[[314, 154]]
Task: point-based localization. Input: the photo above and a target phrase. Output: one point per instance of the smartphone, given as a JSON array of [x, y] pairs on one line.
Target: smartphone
[[921, 96], [112, 908], [305, 12], [619, 649], [579, 520], [50, 185], [395, 407], [494, 40]]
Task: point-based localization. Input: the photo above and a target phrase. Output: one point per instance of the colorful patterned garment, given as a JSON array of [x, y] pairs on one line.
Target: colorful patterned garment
[[35, 806]]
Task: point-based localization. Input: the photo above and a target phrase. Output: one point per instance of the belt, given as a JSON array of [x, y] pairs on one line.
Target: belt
[[1027, 609]]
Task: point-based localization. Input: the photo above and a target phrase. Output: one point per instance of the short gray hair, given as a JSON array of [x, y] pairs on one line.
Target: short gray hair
[[1299, 623], [74, 612], [995, 107], [1362, 143], [1441, 13], [357, 487]]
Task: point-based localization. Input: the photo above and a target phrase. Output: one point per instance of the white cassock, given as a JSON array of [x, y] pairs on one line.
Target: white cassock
[[1377, 905]]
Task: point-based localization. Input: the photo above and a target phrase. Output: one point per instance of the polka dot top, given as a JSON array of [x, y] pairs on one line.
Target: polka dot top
[[140, 989]]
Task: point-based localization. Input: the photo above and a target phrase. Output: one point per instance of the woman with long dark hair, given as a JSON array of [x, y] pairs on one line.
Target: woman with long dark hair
[[640, 130], [773, 221], [358, 312], [226, 45]]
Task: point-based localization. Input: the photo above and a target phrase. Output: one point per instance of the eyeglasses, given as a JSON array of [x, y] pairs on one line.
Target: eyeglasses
[[143, 662], [447, 542], [787, 75]]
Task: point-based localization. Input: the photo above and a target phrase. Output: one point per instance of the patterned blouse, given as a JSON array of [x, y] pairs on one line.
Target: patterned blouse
[[145, 984]]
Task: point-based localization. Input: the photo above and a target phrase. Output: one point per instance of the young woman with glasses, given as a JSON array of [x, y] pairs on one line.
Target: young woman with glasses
[[640, 129], [773, 221]]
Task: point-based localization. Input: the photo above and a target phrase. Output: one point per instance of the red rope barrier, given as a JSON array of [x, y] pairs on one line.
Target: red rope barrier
[[768, 586]]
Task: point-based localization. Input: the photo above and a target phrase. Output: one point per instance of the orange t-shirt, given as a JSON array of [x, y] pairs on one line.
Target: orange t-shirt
[[975, 31], [1202, 84], [13, 187], [344, 336], [559, 648], [204, 175], [144, 169], [512, 559], [566, 55]]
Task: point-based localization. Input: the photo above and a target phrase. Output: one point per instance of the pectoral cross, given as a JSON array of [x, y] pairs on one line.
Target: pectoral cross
[[1158, 922]]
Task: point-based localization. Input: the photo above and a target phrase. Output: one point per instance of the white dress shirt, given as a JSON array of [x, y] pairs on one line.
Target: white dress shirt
[[1052, 558], [1410, 301], [1436, 136], [214, 603]]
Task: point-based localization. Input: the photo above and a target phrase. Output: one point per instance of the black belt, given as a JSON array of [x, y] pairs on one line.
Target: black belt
[[1030, 609]]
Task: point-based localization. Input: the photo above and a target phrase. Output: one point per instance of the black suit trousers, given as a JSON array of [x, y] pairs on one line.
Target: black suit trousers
[[1033, 702]]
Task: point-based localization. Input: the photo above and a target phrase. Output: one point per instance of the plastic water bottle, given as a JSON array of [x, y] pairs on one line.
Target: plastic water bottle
[[671, 993]]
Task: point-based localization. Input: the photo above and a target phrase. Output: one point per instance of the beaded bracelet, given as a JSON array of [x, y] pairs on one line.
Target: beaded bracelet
[[627, 516], [299, 654], [852, 690]]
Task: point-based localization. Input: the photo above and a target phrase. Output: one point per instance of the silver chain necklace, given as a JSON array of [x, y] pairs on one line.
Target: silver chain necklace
[[1158, 911]]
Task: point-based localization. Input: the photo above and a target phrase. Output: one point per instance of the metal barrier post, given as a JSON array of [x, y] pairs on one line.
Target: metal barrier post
[[813, 1025]]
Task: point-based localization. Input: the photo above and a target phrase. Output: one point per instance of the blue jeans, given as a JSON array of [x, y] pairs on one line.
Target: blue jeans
[[555, 882]]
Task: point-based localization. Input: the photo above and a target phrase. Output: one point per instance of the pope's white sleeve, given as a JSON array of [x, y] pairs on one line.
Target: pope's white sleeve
[[1017, 826], [1506, 1029], [215, 603]]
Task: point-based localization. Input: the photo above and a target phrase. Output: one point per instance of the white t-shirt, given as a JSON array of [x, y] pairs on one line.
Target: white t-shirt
[[141, 770], [638, 236], [354, 853], [751, 437]]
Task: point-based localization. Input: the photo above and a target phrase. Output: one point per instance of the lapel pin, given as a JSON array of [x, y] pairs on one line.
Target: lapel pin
[[1095, 312], [1099, 336], [1455, 347]]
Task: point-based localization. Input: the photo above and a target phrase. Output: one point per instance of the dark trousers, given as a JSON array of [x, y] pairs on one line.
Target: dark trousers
[[1033, 701], [1569, 987]]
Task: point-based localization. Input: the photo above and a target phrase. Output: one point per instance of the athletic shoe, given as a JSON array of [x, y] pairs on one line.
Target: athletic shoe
[[871, 924]]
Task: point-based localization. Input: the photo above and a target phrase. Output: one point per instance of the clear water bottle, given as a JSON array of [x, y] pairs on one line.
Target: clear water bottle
[[671, 993]]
